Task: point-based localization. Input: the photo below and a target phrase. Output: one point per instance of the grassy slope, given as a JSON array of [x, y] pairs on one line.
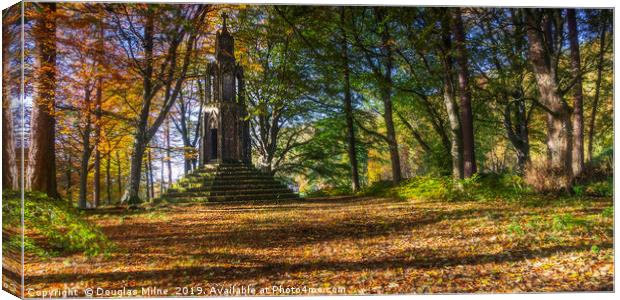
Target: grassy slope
[[52, 228]]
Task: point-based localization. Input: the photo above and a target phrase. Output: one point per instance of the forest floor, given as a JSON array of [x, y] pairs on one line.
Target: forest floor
[[336, 245]]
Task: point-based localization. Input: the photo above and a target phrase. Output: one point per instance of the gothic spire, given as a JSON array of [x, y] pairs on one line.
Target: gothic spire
[[224, 17], [224, 44]]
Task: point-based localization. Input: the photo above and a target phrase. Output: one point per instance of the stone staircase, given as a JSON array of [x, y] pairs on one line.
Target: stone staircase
[[228, 182]]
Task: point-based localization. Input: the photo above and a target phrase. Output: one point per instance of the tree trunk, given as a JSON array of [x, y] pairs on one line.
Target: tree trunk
[[108, 180], [187, 161], [386, 96], [450, 102], [41, 171], [348, 107], [86, 151], [97, 166], [162, 183], [467, 125], [518, 133], [597, 92], [168, 152], [149, 160], [98, 96], [147, 190], [559, 127], [144, 133], [10, 177], [119, 179], [69, 179], [132, 196], [573, 37]]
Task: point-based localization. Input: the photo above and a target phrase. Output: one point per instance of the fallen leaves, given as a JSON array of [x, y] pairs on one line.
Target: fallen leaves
[[366, 245]]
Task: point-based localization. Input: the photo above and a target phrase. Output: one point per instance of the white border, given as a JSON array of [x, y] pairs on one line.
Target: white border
[[502, 3]]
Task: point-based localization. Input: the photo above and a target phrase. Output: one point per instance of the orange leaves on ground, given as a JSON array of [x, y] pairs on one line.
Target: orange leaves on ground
[[364, 245]]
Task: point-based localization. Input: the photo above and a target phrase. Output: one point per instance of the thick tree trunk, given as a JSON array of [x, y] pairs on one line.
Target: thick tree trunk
[[597, 91], [132, 193], [10, 177], [467, 125], [450, 102], [41, 170], [559, 127], [132, 196], [573, 38], [386, 97], [348, 107]]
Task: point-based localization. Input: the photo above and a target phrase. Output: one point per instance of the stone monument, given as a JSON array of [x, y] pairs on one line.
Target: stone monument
[[225, 134], [226, 172]]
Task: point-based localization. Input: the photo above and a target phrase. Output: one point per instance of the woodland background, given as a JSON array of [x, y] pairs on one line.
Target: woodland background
[[436, 149], [340, 97]]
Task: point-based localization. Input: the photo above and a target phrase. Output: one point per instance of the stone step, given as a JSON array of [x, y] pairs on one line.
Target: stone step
[[234, 175], [209, 172], [237, 187], [207, 192], [233, 182], [230, 166], [242, 179], [251, 181], [287, 196], [221, 188], [229, 182], [215, 174], [239, 194]]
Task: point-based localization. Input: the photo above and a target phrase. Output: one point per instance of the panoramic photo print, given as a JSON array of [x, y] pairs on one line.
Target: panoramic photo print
[[195, 149]]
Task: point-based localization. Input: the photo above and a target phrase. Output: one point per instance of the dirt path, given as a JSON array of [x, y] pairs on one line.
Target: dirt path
[[340, 245]]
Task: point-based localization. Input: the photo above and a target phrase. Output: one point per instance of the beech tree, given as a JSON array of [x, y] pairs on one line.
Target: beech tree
[[348, 106], [449, 99], [467, 126], [575, 61], [41, 169], [178, 29], [379, 56], [544, 32]]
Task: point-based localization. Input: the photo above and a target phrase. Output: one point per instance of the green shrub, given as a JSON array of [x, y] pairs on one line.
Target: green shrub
[[62, 229], [480, 187], [579, 190], [426, 187], [379, 188], [330, 191], [600, 189]]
